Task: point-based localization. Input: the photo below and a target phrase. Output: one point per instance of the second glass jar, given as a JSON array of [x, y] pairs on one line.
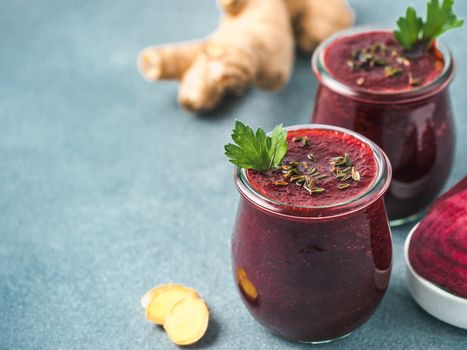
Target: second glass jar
[[414, 128]]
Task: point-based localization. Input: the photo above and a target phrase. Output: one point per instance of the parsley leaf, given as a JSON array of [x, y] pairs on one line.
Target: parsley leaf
[[409, 28], [256, 150], [413, 33], [439, 19]]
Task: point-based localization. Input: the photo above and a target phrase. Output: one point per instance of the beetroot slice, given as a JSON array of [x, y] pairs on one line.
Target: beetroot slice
[[438, 248]]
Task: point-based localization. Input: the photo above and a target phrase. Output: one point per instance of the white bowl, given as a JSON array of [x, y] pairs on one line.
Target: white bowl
[[438, 302]]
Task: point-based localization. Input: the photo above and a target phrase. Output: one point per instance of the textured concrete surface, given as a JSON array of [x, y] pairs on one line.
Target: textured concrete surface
[[95, 206]]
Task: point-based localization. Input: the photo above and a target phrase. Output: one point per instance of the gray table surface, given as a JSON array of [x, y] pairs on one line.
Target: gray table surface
[[94, 209]]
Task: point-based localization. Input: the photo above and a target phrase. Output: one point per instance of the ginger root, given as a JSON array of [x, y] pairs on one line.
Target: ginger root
[[187, 321], [253, 45], [316, 20], [160, 300]]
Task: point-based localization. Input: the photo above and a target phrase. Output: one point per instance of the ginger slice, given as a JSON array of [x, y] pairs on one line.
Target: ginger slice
[[159, 301], [188, 321]]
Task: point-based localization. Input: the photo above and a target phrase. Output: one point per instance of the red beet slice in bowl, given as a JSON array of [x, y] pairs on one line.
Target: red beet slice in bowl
[[438, 247]]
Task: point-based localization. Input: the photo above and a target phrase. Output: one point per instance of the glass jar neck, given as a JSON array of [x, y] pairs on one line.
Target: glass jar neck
[[375, 191], [376, 96]]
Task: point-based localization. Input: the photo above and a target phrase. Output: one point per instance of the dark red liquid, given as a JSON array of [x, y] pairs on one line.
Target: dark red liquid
[[424, 69], [328, 145], [417, 135], [313, 279]]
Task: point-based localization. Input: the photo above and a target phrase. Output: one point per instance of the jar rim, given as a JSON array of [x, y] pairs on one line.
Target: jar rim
[[377, 188], [321, 72]]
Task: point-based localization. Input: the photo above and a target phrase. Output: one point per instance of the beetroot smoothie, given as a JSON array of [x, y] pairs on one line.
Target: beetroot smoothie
[[311, 248], [369, 85]]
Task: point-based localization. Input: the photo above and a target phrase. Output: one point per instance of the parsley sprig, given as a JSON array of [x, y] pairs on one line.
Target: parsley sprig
[[414, 34], [256, 150]]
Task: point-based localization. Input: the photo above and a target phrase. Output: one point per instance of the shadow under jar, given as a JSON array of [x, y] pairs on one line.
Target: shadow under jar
[[314, 273], [404, 108]]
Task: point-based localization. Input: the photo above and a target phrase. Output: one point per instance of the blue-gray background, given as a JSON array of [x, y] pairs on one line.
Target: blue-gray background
[[107, 187]]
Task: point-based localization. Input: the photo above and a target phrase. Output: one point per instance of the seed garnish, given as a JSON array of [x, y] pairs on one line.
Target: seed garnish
[[300, 181], [343, 169], [343, 186], [390, 71], [337, 159], [346, 177], [292, 174], [320, 177], [402, 60], [355, 174], [346, 170], [303, 139], [288, 174], [300, 173], [317, 190], [281, 183], [348, 162], [414, 81], [378, 56], [308, 185], [297, 177]]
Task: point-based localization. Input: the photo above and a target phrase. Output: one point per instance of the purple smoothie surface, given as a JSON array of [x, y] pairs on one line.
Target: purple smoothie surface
[[347, 59], [323, 146]]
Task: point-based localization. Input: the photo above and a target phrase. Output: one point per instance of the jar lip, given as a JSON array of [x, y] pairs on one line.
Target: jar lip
[[324, 77], [377, 188]]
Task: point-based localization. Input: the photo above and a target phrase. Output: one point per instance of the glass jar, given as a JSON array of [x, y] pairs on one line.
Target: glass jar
[[413, 127], [313, 274]]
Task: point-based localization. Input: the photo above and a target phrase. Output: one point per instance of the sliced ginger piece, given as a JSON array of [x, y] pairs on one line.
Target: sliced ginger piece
[[159, 301], [188, 321], [147, 297]]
